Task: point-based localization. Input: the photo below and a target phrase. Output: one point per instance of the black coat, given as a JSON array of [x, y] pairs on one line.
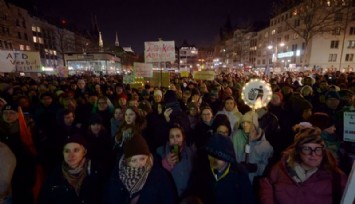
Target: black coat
[[158, 189], [57, 190]]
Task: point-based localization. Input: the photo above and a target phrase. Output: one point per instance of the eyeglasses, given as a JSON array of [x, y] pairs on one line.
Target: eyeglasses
[[308, 150]]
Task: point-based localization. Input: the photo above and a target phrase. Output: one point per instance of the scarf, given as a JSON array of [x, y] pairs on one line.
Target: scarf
[[299, 174], [134, 178], [75, 177]]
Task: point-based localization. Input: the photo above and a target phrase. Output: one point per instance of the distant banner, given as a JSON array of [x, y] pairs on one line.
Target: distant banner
[[159, 51], [349, 126], [204, 75], [143, 69], [62, 71], [184, 74], [19, 61]]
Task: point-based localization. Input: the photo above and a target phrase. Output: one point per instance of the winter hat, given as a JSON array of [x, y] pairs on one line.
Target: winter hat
[[308, 135], [251, 117], [76, 138], [11, 106], [95, 119], [221, 147], [321, 120], [332, 94], [170, 96], [135, 146], [158, 92]]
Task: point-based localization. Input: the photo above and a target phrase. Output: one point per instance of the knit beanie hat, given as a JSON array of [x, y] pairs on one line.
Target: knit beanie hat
[[158, 92], [76, 138], [321, 120], [251, 117], [135, 146], [308, 135], [221, 147]]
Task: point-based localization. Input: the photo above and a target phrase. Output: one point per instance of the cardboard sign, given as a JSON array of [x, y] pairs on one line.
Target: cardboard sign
[[159, 80], [349, 126], [159, 51], [184, 73], [143, 69], [204, 75], [63, 71], [20, 61], [349, 191]]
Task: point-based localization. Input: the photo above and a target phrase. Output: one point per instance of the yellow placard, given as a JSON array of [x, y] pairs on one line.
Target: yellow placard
[[158, 77], [204, 75], [184, 74]]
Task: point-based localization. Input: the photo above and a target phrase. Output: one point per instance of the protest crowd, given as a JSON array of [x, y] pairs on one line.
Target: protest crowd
[[93, 139]]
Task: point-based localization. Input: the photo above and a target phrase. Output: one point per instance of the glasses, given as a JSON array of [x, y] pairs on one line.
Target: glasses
[[308, 150]]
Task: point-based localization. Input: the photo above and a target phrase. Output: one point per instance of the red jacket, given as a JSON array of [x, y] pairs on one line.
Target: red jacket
[[279, 187]]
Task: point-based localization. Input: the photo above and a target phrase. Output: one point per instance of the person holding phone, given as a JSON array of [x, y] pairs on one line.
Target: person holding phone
[[177, 157]]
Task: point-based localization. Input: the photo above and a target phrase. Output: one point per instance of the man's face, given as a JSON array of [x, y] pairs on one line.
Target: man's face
[[69, 119], [47, 100], [332, 103], [81, 84], [9, 116], [216, 163], [229, 106]]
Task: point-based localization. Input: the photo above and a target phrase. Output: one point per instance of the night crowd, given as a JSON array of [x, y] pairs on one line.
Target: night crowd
[[92, 139]]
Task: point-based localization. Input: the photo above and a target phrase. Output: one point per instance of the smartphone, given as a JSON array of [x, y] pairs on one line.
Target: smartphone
[[175, 149]]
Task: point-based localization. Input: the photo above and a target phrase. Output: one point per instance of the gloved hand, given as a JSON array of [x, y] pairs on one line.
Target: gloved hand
[[250, 167]]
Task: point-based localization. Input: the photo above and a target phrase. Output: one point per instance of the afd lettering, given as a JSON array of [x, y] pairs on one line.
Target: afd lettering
[[14, 57]]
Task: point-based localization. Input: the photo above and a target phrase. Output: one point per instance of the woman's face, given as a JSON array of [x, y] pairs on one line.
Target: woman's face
[[311, 155], [175, 137], [223, 130], [122, 101], [206, 115], [137, 161], [102, 104], [246, 126], [95, 128], [73, 154], [118, 114], [130, 116]]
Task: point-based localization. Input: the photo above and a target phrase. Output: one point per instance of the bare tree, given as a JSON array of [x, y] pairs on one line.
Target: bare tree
[[310, 18]]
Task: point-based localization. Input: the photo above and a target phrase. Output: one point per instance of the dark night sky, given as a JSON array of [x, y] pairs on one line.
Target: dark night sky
[[137, 21]]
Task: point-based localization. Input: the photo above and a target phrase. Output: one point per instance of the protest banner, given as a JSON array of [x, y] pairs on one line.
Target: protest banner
[[349, 126], [143, 69], [159, 51], [204, 75], [19, 61]]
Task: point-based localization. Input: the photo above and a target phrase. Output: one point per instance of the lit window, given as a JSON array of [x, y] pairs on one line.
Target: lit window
[[34, 28], [351, 44], [54, 52], [22, 47], [35, 39], [349, 57], [273, 32], [40, 40], [38, 29], [28, 47]]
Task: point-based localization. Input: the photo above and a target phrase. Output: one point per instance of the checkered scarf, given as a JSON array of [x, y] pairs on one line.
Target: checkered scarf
[[134, 178]]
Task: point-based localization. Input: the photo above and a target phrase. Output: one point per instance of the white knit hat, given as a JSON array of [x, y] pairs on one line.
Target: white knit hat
[[158, 92], [252, 117]]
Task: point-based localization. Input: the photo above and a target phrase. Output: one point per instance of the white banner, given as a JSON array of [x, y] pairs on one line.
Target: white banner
[[19, 61], [143, 70], [159, 51], [349, 126]]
